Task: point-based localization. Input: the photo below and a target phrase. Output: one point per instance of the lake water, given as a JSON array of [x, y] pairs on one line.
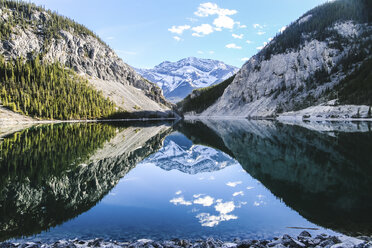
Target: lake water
[[221, 179]]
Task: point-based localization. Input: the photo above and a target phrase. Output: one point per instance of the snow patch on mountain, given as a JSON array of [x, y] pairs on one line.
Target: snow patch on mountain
[[178, 79], [193, 160]]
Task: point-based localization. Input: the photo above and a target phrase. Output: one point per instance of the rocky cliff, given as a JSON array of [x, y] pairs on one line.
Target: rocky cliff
[[35, 31], [302, 66]]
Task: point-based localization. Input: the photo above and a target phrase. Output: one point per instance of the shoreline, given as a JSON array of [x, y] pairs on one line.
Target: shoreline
[[304, 239], [2, 122]]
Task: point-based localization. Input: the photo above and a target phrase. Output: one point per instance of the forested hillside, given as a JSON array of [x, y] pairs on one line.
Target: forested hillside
[[201, 99], [54, 68], [49, 91]]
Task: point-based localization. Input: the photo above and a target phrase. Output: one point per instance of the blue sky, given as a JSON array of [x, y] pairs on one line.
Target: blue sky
[[145, 33]]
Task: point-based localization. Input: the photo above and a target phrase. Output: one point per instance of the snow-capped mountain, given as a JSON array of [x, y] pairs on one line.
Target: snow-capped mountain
[[178, 79], [190, 159]]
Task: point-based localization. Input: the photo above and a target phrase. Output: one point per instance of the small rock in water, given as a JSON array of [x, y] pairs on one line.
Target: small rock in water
[[245, 244], [229, 245], [95, 243], [304, 234]]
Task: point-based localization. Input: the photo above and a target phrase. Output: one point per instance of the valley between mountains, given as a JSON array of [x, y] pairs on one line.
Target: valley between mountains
[[53, 68]]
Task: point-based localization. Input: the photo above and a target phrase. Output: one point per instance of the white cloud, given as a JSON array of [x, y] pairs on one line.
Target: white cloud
[[233, 46], [249, 41], [244, 59], [203, 29], [213, 220], [223, 21], [180, 201], [200, 52], [176, 38], [207, 9], [282, 29], [178, 29], [233, 184], [197, 195], [261, 32], [256, 25], [270, 39], [205, 201], [240, 25], [250, 187], [236, 36], [260, 47], [178, 192], [110, 38], [225, 207], [192, 19], [241, 193]]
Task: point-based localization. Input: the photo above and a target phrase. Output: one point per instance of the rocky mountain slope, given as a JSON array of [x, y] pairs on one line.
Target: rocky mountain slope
[[29, 31], [178, 79], [305, 65]]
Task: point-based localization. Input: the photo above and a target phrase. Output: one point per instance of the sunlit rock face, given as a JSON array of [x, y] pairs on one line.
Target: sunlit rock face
[[300, 67], [66, 171], [188, 158], [326, 177], [85, 54]]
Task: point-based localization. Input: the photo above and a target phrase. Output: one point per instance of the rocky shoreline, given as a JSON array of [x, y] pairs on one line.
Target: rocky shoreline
[[304, 239]]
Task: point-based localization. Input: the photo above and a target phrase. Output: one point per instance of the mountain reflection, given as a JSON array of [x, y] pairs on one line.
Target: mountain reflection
[[52, 173], [178, 153], [325, 177]]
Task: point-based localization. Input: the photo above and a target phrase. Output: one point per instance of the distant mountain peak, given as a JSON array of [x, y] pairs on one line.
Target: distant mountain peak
[[178, 79]]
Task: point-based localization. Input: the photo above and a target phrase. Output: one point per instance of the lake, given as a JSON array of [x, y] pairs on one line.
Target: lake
[[211, 178]]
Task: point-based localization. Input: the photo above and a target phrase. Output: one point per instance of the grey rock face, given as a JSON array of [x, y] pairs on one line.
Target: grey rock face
[[287, 81], [84, 53]]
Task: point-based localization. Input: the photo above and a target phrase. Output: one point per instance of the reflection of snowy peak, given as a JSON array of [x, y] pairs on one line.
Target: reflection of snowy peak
[[178, 79], [194, 160]]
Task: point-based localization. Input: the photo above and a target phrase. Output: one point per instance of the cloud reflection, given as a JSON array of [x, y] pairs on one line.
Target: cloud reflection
[[209, 220], [205, 201], [233, 184], [241, 193], [180, 201]]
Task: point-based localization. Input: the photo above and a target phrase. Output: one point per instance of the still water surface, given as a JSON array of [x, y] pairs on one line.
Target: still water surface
[[190, 180]]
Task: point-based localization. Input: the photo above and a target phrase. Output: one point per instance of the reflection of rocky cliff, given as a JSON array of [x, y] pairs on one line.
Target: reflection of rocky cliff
[[326, 179], [176, 154], [35, 200]]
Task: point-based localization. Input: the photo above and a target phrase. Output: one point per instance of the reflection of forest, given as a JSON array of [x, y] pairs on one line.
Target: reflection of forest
[[326, 178], [52, 173]]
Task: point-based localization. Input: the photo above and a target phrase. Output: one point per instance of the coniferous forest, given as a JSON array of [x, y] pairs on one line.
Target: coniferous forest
[[49, 91], [41, 89]]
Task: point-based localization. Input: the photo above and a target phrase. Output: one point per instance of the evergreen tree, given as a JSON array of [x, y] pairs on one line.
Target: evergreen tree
[[49, 91]]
